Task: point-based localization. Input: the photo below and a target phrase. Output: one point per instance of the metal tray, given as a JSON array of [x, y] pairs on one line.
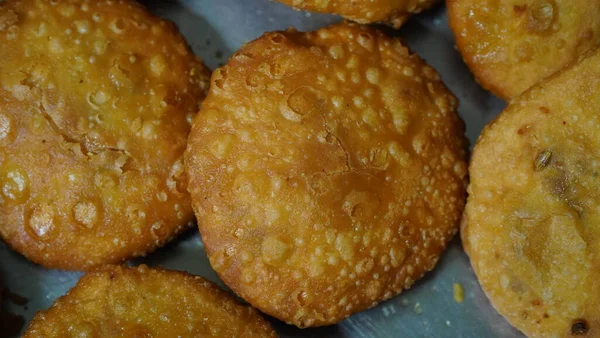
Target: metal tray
[[217, 28]]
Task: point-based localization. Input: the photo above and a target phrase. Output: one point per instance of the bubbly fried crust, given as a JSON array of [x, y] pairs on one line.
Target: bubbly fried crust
[[116, 301], [510, 45], [327, 171], [531, 222], [96, 102], [392, 12]]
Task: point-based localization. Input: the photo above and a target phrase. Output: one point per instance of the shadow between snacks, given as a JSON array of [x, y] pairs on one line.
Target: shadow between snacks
[[40, 285], [240, 21], [185, 253], [204, 40]]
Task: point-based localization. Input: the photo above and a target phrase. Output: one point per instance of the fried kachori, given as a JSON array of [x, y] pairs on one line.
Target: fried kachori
[[510, 45], [96, 103], [392, 12], [116, 301], [532, 221], [327, 171]]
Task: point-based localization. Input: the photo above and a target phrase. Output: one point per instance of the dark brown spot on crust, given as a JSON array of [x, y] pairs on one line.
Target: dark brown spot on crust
[[545, 110], [519, 9], [580, 327], [536, 302], [523, 130]]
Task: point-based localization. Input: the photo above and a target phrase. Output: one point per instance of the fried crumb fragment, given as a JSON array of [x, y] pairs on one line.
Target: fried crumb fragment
[[458, 293]]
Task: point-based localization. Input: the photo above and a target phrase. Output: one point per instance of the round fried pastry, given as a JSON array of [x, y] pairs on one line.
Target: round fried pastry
[[116, 301], [392, 12], [510, 45], [531, 225], [327, 171], [96, 102]]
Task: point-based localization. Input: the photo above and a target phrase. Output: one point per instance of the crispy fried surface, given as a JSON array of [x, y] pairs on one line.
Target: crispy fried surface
[[532, 221], [116, 301], [96, 101], [510, 45], [393, 12], [327, 171]]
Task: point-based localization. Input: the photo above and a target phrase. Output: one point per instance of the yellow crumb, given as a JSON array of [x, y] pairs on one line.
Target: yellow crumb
[[459, 295]]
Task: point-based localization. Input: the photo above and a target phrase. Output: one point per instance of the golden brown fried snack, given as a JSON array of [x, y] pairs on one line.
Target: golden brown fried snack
[[392, 12], [531, 223], [96, 102], [510, 45], [116, 301], [327, 171]]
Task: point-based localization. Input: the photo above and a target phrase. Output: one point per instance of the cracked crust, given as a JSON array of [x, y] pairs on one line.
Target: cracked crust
[[391, 12], [511, 45], [116, 301], [327, 171], [96, 102], [531, 225]]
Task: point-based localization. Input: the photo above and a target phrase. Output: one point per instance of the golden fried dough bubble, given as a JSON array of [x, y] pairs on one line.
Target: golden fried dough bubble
[[116, 301], [510, 45], [96, 102], [532, 220], [327, 171], [392, 12]]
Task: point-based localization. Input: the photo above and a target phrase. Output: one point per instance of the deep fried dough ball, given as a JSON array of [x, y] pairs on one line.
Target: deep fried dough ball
[[327, 171], [510, 45], [531, 225], [96, 102], [116, 301], [393, 12]]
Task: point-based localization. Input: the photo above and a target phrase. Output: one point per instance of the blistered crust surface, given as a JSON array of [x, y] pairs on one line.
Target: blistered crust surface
[[96, 102], [531, 226], [327, 171], [116, 301], [393, 12], [510, 45]]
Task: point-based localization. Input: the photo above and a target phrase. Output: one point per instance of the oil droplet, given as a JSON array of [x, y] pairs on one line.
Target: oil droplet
[[304, 100], [105, 180], [379, 158], [41, 220], [15, 185], [248, 276], [158, 65], [5, 127], [274, 250], [97, 99], [157, 230], [118, 26], [162, 196], [83, 330], [336, 51], [301, 297], [238, 233], [541, 15], [86, 214], [136, 214]]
